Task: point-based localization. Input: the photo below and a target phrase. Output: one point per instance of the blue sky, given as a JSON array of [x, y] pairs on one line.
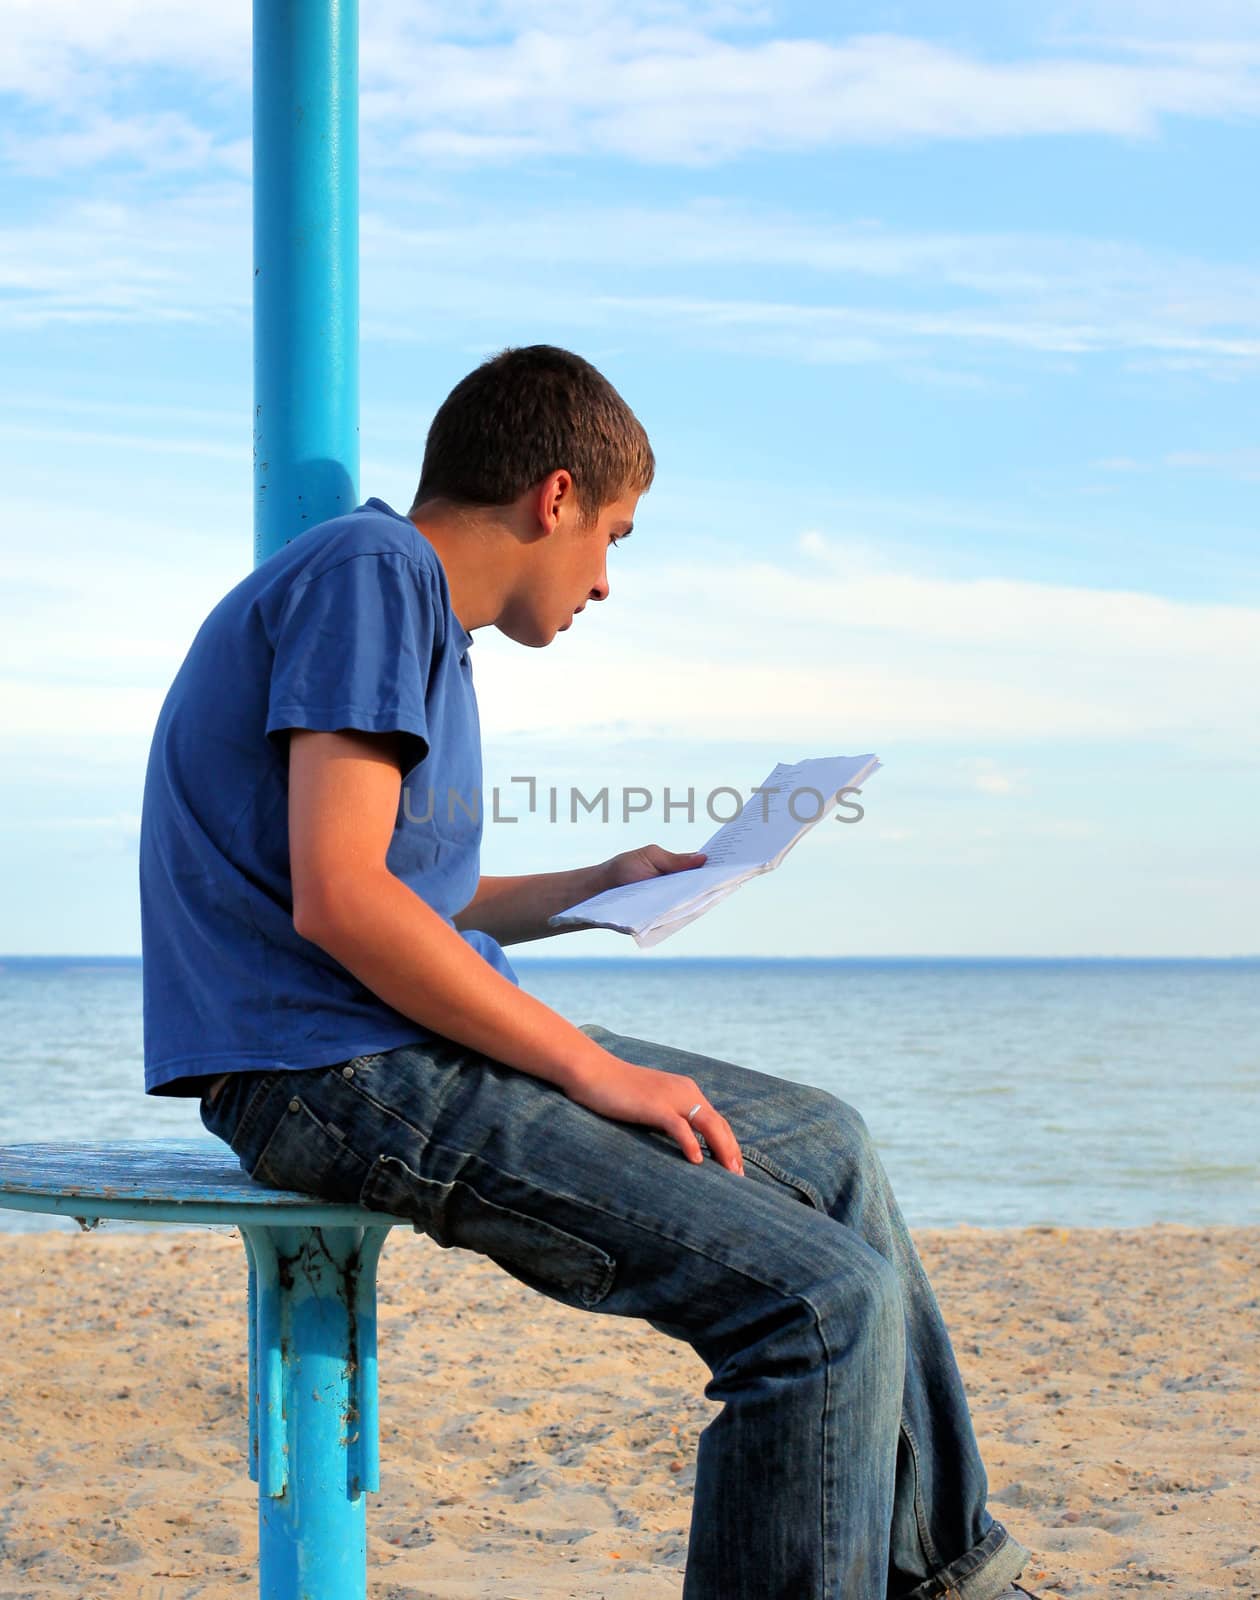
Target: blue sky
[[944, 320]]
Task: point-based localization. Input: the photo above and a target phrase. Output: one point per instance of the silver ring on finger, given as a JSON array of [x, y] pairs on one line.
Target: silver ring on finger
[[694, 1109]]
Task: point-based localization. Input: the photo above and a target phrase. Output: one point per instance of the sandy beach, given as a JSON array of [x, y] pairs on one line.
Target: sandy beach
[[529, 1450]]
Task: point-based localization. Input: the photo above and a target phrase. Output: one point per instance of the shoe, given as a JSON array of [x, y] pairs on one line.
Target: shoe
[[1016, 1591]]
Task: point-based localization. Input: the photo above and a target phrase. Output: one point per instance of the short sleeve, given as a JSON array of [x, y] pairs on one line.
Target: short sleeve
[[355, 649]]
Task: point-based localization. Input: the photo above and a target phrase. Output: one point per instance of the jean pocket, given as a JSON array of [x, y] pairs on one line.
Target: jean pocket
[[800, 1187], [309, 1156], [242, 1094], [547, 1258]]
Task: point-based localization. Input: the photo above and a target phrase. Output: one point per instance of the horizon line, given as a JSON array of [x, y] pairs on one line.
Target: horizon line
[[1244, 956]]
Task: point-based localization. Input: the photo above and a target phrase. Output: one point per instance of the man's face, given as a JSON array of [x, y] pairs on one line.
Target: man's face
[[570, 568], [586, 556]]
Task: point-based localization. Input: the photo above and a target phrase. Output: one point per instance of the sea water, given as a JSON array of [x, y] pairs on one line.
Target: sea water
[[999, 1093]]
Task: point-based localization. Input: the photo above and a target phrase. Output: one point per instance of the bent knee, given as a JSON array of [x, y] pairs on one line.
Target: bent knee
[[845, 1129], [860, 1300]]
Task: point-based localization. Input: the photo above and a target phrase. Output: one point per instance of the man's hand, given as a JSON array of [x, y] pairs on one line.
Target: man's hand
[[515, 910], [648, 861], [627, 1092]]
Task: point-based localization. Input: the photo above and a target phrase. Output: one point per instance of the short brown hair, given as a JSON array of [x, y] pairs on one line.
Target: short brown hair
[[525, 413]]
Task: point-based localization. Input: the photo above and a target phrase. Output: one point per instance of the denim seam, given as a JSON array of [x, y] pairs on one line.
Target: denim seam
[[829, 1496], [253, 1111], [337, 1073], [828, 1475], [930, 1552], [607, 1268], [582, 1202]]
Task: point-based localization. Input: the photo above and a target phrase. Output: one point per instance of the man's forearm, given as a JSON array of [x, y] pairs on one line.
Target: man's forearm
[[402, 950], [515, 910]]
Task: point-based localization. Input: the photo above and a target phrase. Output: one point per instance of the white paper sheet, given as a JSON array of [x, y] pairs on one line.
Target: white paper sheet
[[794, 798]]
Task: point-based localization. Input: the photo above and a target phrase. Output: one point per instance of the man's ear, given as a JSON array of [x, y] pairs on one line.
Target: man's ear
[[554, 498]]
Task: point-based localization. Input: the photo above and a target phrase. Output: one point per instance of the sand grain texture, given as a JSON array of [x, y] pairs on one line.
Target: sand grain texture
[[533, 1452]]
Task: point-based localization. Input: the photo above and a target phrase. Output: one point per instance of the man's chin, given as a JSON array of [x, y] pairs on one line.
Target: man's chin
[[531, 640]]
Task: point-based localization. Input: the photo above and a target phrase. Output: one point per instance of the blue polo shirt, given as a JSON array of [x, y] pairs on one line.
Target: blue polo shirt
[[349, 626]]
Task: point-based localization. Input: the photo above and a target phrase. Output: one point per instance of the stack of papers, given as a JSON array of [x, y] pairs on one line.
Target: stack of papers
[[754, 842]]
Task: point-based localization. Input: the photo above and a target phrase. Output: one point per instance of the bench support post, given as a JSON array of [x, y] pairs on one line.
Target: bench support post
[[314, 1446]]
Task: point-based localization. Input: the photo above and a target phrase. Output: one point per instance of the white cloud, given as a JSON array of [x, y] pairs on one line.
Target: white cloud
[[1065, 828], [166, 259], [1061, 273], [56, 50], [124, 826], [844, 333], [682, 95], [31, 706], [888, 656], [96, 616], [987, 777], [1215, 23], [668, 83], [972, 301], [1241, 463], [161, 142], [145, 443], [962, 298], [93, 627], [969, 301]]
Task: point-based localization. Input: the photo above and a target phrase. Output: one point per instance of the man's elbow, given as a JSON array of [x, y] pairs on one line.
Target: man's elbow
[[334, 911], [309, 919], [323, 911]]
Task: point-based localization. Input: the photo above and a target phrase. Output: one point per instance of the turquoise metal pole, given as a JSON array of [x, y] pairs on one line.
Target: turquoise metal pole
[[306, 266], [313, 1383], [312, 1291]]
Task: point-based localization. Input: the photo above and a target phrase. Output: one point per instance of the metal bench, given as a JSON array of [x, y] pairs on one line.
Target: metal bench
[[313, 1436]]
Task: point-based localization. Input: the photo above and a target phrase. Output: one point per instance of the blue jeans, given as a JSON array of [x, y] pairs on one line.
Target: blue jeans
[[842, 1465]]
